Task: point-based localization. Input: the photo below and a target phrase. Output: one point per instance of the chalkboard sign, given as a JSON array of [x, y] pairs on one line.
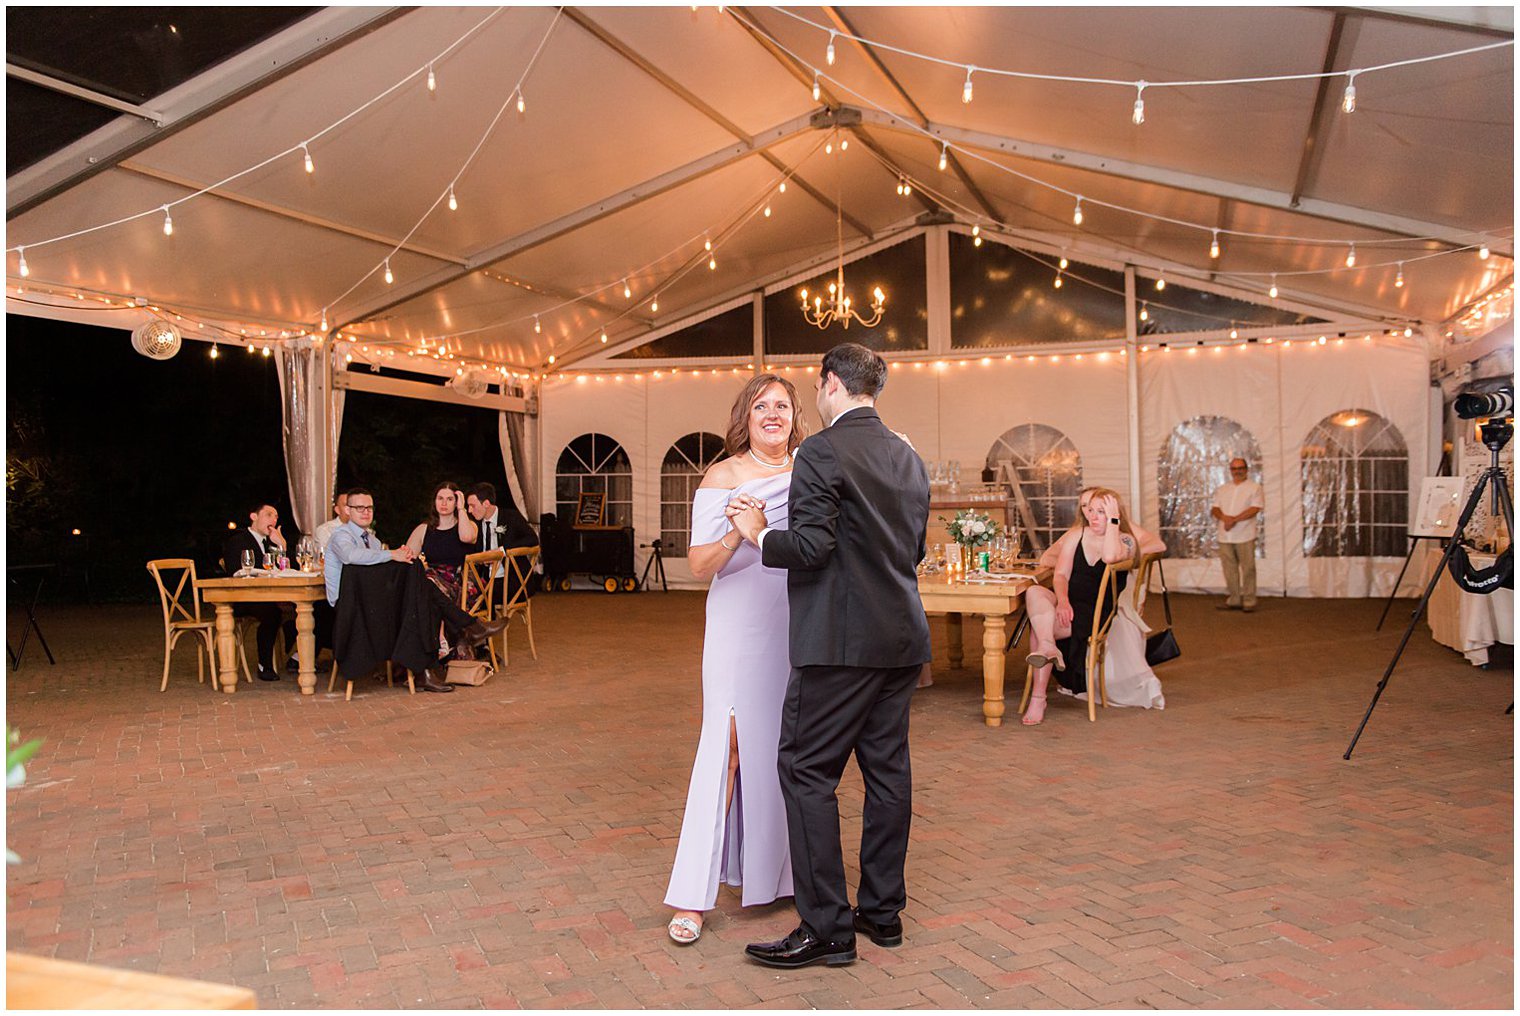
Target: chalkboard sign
[[590, 509]]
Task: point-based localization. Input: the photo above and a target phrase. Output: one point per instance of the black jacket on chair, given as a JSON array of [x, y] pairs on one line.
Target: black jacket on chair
[[859, 511]]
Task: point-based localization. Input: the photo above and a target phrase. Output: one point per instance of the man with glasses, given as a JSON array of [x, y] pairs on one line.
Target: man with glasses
[[1236, 505], [414, 646]]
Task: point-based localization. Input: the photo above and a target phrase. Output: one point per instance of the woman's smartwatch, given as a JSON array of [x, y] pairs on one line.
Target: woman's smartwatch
[[1113, 522]]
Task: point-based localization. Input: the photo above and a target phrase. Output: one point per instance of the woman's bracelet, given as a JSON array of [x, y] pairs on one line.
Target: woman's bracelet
[[723, 542]]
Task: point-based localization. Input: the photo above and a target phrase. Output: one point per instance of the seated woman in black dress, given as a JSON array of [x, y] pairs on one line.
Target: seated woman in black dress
[[1061, 621], [445, 538]]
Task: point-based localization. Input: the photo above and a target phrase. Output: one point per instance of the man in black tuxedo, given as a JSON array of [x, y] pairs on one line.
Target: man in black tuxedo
[[263, 537], [501, 526], [859, 506]]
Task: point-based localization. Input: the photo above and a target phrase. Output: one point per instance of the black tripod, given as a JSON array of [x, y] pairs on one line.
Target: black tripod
[[1496, 434], [657, 562]]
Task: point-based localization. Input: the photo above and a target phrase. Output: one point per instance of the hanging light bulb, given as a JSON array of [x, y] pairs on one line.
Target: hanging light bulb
[[976, 230], [707, 245], [1064, 262], [817, 89], [538, 329], [1138, 116], [522, 103], [781, 188], [21, 268], [322, 326], [767, 211], [265, 351], [215, 352], [828, 149], [1273, 291], [1145, 311], [828, 54], [627, 290], [1483, 251], [1076, 214], [604, 338], [966, 88], [1214, 245], [551, 359], [944, 155], [976, 241], [1348, 98], [712, 264], [654, 306], [1408, 332], [168, 222], [1058, 282], [1351, 256], [453, 201], [1398, 282], [310, 166], [1161, 280], [1234, 332], [389, 278], [899, 186], [432, 81]]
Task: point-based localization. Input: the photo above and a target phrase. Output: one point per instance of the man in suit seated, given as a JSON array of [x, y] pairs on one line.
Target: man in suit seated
[[262, 537], [415, 647], [501, 527]]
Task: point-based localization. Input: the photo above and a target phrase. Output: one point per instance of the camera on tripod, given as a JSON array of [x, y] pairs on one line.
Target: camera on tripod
[[1474, 405]]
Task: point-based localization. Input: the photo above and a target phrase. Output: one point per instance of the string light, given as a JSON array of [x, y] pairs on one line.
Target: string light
[[1076, 214], [1351, 256], [1064, 262], [654, 306], [604, 337], [453, 201], [817, 89], [310, 166], [828, 54], [1145, 311], [322, 326], [1138, 116], [215, 352], [1398, 282], [389, 277], [781, 188], [538, 329], [265, 351], [432, 81], [551, 359], [1483, 251], [1234, 333], [976, 235], [1161, 280], [627, 290], [1348, 98], [944, 155], [1273, 291], [1214, 245], [1058, 282], [712, 264], [522, 103], [767, 211], [21, 268], [168, 222], [966, 88]]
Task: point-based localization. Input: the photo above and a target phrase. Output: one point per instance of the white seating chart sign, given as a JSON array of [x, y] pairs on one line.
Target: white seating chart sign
[[1441, 503]]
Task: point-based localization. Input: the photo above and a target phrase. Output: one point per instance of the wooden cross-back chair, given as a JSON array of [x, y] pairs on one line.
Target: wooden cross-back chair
[[477, 593], [522, 562], [182, 613], [1097, 643]]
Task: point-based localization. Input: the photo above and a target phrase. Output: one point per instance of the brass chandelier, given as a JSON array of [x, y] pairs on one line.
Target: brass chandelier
[[839, 306]]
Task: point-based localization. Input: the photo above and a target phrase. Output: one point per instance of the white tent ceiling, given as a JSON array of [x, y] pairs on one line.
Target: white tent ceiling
[[648, 130]]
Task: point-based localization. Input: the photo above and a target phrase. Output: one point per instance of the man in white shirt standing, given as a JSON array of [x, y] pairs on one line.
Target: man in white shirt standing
[[1236, 505], [340, 516]]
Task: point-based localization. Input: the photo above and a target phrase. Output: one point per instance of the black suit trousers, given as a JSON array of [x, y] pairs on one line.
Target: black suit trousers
[[830, 712], [271, 619]]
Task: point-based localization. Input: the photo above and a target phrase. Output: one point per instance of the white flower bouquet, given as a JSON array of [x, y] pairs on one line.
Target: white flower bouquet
[[971, 529]]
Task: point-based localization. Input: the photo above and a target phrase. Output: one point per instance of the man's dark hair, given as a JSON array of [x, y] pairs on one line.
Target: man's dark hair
[[483, 492], [861, 371], [353, 492], [257, 507]]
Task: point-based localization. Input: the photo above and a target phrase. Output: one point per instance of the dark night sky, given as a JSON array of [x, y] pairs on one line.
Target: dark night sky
[[153, 458]]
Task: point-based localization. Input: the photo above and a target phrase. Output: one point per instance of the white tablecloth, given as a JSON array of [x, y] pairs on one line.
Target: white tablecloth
[[1468, 622]]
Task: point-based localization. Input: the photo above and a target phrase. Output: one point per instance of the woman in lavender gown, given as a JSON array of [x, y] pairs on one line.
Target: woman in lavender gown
[[734, 829]]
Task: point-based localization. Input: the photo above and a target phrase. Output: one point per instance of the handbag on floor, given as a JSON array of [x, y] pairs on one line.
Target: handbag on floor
[[1161, 646], [471, 672]]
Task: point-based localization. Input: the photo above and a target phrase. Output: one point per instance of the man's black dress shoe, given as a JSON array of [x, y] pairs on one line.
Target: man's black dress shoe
[[266, 674], [481, 632], [802, 948], [293, 665], [432, 682], [886, 935]]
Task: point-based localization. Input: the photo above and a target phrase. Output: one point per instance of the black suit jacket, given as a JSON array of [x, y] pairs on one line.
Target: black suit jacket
[[859, 508], [515, 531], [232, 551]]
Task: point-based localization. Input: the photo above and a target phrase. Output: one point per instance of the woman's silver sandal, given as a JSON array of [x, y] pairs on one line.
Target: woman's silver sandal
[[685, 924]]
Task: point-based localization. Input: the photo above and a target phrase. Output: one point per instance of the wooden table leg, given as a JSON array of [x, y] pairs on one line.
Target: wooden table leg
[[306, 648], [226, 648], [953, 640], [993, 634]]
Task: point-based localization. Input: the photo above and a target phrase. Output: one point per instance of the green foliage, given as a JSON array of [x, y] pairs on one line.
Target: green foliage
[[16, 755]]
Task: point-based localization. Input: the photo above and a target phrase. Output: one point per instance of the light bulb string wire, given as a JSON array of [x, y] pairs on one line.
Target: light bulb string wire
[[77, 299], [449, 187], [1086, 199], [721, 236], [156, 209], [1139, 82]]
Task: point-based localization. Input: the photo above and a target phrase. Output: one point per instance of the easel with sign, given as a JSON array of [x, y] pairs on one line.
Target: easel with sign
[[1435, 519]]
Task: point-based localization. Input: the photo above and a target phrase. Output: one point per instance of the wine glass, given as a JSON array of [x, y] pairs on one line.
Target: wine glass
[[248, 560], [306, 552]]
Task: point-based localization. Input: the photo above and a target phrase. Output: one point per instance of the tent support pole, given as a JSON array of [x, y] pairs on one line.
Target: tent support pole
[[1132, 389]]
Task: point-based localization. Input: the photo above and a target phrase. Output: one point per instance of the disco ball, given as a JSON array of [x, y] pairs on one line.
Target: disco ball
[[472, 384], [157, 340]]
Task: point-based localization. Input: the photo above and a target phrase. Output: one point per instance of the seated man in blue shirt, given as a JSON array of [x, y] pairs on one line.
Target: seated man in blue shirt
[[352, 544]]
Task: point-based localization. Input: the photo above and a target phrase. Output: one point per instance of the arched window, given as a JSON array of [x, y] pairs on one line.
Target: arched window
[[1195, 462], [680, 476], [1041, 464], [1355, 470], [594, 462]]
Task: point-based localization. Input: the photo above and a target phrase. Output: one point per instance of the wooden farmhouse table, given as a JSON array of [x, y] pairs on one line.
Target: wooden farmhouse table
[[300, 588], [994, 601], [37, 982]]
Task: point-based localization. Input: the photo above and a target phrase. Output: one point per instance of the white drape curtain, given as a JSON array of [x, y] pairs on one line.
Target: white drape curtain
[[309, 431]]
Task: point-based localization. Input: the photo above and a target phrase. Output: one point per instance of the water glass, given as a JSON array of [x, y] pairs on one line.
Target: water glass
[[248, 560]]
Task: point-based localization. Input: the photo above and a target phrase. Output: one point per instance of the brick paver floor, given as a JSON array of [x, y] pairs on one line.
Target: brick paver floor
[[508, 845]]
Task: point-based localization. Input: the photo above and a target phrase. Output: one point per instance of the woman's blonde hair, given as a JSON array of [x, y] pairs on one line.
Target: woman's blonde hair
[[1124, 523], [736, 442]]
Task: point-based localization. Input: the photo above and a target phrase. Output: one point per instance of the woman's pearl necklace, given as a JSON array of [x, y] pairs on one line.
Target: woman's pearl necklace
[[786, 460]]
